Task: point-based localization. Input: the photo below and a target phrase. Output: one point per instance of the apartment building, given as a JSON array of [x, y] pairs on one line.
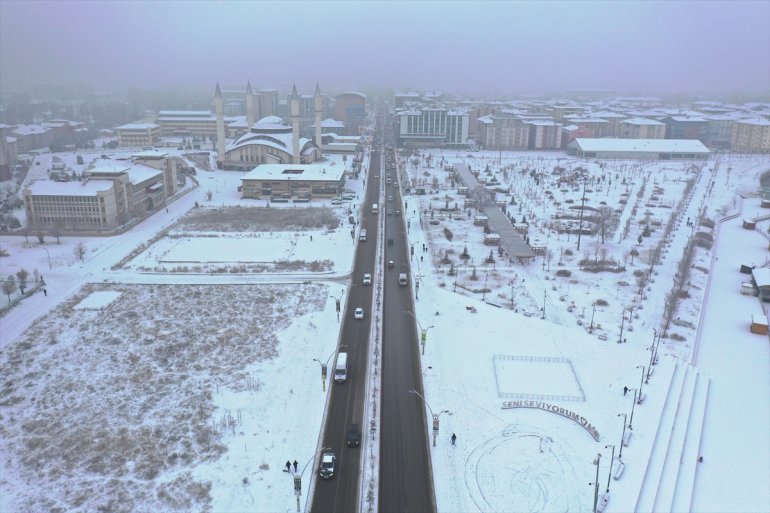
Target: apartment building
[[641, 128], [502, 131], [751, 135], [544, 134], [432, 126]]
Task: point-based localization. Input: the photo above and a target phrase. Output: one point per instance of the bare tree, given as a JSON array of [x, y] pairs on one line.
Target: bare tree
[[209, 195], [633, 253], [641, 281], [80, 251], [22, 275], [548, 257], [608, 221], [9, 287]]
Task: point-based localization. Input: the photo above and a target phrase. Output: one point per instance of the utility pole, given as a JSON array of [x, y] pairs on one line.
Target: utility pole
[[582, 206]]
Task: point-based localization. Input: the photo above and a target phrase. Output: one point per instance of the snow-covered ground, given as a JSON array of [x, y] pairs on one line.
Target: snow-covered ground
[[134, 384]]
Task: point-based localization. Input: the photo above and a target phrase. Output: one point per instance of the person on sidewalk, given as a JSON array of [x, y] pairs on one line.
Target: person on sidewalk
[[454, 438]]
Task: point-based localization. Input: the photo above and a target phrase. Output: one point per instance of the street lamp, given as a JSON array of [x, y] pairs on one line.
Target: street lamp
[[544, 296], [633, 405], [622, 321], [338, 303], [423, 331], [511, 284], [612, 460], [623, 436], [641, 381], [484, 292], [593, 311], [434, 415], [325, 366], [596, 480], [652, 353]]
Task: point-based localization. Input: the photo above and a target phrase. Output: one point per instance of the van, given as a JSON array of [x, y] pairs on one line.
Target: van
[[402, 279], [341, 368], [362, 235], [375, 208]]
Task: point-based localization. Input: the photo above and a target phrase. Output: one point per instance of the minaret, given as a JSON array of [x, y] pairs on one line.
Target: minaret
[[249, 107], [318, 104], [295, 126], [219, 106]]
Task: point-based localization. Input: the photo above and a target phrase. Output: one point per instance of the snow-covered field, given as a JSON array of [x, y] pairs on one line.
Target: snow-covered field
[[138, 391]]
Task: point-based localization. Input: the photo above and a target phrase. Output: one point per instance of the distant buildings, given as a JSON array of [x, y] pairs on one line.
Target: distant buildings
[[751, 135], [641, 128], [350, 108], [138, 134], [432, 126]]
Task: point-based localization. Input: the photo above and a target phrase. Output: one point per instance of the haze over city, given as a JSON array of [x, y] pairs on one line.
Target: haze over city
[[486, 47]]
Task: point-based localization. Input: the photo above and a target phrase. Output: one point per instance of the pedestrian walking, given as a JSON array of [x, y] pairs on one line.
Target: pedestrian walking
[[311, 238], [295, 466], [454, 438], [288, 466], [625, 390], [45, 292]]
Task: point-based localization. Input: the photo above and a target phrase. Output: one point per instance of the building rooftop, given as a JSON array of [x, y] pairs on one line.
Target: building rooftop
[[51, 188], [306, 172], [643, 121], [648, 145], [137, 126]]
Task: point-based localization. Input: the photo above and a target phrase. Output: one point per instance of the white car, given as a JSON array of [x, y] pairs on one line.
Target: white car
[[367, 279], [359, 313]]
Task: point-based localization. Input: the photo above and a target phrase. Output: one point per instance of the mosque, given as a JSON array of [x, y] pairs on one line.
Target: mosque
[[269, 140]]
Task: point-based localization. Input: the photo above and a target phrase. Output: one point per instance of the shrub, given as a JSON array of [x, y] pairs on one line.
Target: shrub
[[602, 302], [448, 234], [563, 273], [568, 252]]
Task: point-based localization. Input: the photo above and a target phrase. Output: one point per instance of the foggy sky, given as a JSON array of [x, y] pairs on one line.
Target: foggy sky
[[688, 46]]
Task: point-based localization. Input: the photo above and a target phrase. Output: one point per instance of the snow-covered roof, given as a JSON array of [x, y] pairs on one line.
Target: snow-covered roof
[[108, 169], [353, 93], [643, 121], [648, 145], [543, 122], [754, 121], [270, 120], [139, 173], [150, 154], [761, 276], [305, 172], [688, 119], [51, 188], [137, 126], [29, 130], [184, 113]]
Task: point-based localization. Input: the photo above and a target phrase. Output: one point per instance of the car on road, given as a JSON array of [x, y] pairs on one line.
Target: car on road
[[328, 465], [359, 313], [390, 211], [367, 279], [354, 436], [390, 198], [398, 212], [390, 264]]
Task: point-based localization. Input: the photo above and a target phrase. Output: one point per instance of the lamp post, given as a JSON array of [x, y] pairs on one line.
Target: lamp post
[[652, 353], [622, 321], [435, 416], [325, 366], [596, 481], [612, 460], [511, 284], [633, 405], [484, 292], [49, 259], [641, 380], [545, 292], [338, 303], [593, 311], [657, 344], [423, 331], [623, 436]]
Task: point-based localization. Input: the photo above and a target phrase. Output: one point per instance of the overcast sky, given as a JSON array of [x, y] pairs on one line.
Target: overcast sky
[[536, 47]]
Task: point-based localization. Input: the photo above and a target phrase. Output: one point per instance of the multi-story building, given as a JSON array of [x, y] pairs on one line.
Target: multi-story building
[[187, 123], [720, 130], [502, 131], [544, 134], [138, 134], [268, 103], [108, 197], [432, 126], [29, 137], [751, 135], [641, 128], [685, 127], [350, 108]]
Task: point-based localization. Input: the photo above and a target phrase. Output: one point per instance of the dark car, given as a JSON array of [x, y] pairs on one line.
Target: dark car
[[328, 464], [354, 436]]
